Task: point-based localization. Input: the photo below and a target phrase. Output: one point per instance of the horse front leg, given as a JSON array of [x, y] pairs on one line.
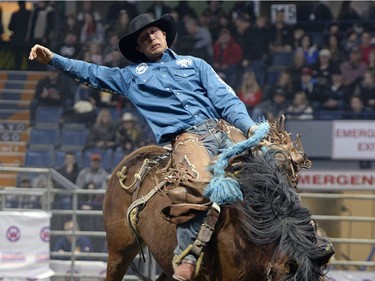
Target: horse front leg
[[122, 249]]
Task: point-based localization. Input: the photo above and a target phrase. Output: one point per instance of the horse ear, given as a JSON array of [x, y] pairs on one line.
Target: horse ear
[[329, 251]]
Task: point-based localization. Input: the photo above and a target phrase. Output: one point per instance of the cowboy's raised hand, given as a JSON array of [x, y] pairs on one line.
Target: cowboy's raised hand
[[40, 54]]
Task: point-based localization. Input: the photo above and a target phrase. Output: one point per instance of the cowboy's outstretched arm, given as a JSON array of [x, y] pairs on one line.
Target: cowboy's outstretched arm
[[40, 54]]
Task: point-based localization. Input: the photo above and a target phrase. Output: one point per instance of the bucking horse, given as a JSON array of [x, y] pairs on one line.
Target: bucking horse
[[266, 234]]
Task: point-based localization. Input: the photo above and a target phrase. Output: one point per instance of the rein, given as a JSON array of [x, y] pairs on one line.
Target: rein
[[138, 204]]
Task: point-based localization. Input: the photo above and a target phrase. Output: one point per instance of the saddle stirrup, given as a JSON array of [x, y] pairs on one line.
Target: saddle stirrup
[[204, 236]]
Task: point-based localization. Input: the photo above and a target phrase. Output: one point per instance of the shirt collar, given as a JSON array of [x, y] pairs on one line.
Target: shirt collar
[[168, 55]]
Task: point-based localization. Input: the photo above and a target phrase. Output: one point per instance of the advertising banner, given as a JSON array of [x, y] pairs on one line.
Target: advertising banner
[[353, 140], [24, 245], [336, 180], [63, 270]]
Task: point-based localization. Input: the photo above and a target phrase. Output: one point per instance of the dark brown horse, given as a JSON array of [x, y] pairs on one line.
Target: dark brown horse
[[267, 236]]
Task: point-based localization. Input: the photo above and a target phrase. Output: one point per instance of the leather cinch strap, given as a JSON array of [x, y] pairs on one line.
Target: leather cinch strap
[[206, 230]]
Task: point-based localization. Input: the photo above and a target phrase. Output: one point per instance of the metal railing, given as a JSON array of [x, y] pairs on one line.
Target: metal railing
[[346, 262], [148, 268]]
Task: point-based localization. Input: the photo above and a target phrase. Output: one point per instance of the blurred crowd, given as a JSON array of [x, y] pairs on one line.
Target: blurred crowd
[[319, 66], [319, 63]]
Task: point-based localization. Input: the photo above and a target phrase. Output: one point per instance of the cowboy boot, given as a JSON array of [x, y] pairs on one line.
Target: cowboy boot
[[185, 271]]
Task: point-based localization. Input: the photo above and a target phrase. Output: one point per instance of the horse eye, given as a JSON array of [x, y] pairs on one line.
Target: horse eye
[[290, 266]]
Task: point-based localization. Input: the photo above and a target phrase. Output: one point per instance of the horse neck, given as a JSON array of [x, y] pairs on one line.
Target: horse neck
[[232, 254]]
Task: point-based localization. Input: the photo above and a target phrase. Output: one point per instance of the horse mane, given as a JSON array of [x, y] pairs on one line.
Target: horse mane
[[272, 214]]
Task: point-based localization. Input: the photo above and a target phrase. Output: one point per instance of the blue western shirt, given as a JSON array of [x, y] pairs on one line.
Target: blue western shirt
[[173, 94]]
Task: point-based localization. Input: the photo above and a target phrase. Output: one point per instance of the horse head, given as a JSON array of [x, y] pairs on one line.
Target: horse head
[[272, 214]]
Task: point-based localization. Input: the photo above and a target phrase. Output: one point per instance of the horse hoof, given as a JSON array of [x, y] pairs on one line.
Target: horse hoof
[[184, 272]]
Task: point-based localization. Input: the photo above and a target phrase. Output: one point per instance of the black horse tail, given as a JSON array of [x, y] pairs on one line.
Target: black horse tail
[[273, 215]]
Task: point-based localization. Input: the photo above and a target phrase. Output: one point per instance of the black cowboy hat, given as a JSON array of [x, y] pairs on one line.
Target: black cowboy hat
[[128, 42]]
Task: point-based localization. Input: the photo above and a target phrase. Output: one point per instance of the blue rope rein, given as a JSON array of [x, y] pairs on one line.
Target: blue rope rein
[[221, 189]]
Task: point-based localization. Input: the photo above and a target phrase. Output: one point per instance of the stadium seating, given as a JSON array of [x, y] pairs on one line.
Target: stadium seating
[[48, 115], [41, 137], [38, 157], [74, 136]]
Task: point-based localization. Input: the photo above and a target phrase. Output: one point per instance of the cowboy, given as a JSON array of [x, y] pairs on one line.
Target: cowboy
[[183, 100]]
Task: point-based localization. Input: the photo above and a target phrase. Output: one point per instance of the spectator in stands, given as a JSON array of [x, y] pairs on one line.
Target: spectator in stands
[[103, 132], [19, 31], [41, 23], [241, 8], [87, 7], [295, 68], [184, 10], [227, 57], [69, 170], [158, 8], [90, 201], [315, 94], [369, 16], [351, 41], [23, 201], [281, 33], [64, 244], [366, 89], [313, 16], [253, 40], [271, 109], [92, 30], [115, 59], [297, 35], [309, 50], [357, 109], [366, 46], [333, 45], [224, 23], [40, 28], [120, 27], [337, 93], [129, 135], [347, 16], [197, 42], [211, 15], [94, 173], [323, 68], [249, 91], [371, 63], [95, 52], [334, 29], [284, 81], [180, 26], [353, 70], [130, 6], [71, 25], [300, 108], [53, 90], [82, 111], [70, 47], [111, 53], [85, 93]]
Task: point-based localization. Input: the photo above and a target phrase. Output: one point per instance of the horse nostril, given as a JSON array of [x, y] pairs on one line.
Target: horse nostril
[[324, 259]]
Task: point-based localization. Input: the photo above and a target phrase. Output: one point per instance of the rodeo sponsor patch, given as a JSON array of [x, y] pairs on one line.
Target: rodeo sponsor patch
[[184, 62], [141, 68]]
